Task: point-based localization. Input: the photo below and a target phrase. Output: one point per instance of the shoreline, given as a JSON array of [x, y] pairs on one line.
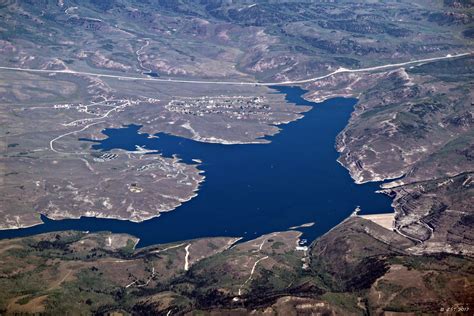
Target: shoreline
[[143, 231]]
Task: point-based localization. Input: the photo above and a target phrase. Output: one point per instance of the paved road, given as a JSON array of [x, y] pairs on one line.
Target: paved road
[[340, 70]]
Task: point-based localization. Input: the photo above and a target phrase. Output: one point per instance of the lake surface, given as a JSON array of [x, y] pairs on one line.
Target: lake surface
[[249, 190]]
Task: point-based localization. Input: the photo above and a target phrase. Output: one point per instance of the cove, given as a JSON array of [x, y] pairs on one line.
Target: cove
[[249, 190]]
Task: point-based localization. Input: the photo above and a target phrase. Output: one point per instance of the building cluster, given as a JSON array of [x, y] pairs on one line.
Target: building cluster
[[106, 157], [239, 107]]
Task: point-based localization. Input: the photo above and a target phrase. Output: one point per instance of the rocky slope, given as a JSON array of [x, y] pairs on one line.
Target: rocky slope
[[355, 269], [415, 124]]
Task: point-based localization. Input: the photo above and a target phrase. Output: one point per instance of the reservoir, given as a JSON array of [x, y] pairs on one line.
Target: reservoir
[[252, 189]]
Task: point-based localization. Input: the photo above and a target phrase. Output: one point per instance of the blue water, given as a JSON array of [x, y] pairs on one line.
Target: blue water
[[249, 189]]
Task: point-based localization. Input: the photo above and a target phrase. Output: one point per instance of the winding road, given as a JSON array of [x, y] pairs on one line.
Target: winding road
[[51, 142], [251, 274], [340, 70]]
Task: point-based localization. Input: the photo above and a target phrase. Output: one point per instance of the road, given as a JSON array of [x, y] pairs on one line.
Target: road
[[251, 274], [340, 70], [51, 142], [408, 237], [166, 249], [186, 258], [139, 52]]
